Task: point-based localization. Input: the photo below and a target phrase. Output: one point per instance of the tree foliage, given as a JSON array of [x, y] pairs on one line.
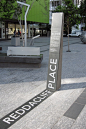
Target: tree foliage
[[71, 16], [7, 8], [82, 11]]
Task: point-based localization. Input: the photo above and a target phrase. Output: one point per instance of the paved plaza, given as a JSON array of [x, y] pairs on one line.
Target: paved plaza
[[65, 108]]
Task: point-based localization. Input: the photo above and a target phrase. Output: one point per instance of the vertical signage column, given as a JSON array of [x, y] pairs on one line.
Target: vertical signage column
[[55, 53]]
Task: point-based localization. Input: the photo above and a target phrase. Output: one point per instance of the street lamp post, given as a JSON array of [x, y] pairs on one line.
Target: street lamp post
[[25, 20]]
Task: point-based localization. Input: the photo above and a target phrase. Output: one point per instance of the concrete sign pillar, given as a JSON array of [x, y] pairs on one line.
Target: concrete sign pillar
[[55, 53]]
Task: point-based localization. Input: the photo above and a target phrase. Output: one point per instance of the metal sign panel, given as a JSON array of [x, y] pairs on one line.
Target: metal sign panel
[[55, 53]]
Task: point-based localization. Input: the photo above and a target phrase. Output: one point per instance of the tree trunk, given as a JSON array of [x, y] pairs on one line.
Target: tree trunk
[[68, 40]]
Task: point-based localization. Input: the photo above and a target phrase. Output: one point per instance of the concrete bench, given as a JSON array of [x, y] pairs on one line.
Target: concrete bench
[[23, 51]]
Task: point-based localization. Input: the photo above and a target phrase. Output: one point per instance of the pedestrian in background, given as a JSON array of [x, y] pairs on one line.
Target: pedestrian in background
[[14, 32], [19, 33]]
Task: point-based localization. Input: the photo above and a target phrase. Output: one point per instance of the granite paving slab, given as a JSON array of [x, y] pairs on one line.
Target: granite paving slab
[[74, 110], [80, 122], [64, 123], [18, 85]]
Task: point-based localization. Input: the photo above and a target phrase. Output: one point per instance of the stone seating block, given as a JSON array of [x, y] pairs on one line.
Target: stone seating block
[[23, 51]]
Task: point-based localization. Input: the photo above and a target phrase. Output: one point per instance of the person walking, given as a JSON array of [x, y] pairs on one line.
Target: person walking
[[19, 33], [14, 32]]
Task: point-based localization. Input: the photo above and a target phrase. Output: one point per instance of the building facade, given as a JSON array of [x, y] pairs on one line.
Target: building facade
[[53, 5], [77, 2]]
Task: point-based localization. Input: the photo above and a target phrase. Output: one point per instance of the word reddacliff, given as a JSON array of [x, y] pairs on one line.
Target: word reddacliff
[[21, 111]]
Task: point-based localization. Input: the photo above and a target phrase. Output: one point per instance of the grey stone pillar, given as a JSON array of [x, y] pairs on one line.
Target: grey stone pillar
[[55, 53]]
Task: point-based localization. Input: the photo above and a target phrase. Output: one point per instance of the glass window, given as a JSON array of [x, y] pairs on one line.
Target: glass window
[[55, 3]]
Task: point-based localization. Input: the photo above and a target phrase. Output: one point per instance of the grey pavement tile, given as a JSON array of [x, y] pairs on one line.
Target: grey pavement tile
[[43, 115], [74, 110], [75, 94], [81, 100], [51, 114], [64, 123], [84, 90], [50, 121], [17, 86], [83, 95], [34, 119], [80, 122], [21, 98], [65, 98]]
